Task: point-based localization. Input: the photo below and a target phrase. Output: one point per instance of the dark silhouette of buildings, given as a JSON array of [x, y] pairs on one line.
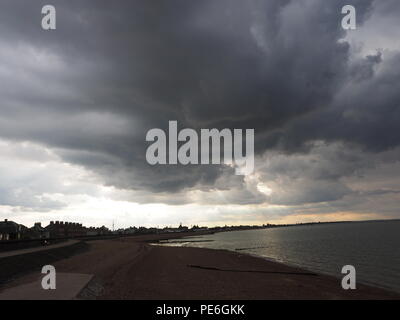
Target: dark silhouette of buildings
[[10, 230]]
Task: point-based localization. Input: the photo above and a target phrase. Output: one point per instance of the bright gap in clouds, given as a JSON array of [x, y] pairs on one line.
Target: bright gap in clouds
[[262, 187]]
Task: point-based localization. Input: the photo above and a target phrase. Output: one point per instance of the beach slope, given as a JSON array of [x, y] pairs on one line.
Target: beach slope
[[130, 268]]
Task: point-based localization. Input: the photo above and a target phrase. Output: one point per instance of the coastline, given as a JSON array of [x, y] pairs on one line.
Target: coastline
[[131, 268], [368, 273]]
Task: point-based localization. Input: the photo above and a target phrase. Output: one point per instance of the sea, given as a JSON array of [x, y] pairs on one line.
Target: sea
[[372, 247]]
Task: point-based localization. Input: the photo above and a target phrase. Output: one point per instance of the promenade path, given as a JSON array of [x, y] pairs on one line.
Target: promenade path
[[37, 249]]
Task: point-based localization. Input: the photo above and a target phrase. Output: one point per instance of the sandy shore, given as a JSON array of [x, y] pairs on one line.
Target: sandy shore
[[130, 268]]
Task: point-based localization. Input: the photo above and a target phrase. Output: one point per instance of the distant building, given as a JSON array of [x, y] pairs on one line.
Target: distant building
[[10, 230], [60, 229], [174, 230], [131, 230], [197, 228], [92, 231], [182, 228], [37, 232]]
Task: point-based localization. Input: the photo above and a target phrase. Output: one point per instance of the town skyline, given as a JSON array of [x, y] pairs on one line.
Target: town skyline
[[132, 229]]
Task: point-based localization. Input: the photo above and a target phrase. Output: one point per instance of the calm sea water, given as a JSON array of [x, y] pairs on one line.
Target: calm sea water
[[373, 248]]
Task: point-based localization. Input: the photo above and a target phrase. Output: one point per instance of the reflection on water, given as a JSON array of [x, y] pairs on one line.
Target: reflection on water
[[371, 247]]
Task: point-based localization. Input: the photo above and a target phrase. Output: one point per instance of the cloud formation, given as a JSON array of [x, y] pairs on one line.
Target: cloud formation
[[323, 102]]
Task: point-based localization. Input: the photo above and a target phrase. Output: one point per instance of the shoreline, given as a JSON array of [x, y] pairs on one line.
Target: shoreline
[[287, 264], [273, 260], [132, 268]]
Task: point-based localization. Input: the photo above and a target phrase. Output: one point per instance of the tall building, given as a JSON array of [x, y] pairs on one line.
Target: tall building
[[60, 229]]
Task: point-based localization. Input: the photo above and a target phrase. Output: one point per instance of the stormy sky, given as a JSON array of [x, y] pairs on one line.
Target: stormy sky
[[76, 104]]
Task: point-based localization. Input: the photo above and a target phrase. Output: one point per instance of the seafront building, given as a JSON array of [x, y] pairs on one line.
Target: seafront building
[[10, 230]]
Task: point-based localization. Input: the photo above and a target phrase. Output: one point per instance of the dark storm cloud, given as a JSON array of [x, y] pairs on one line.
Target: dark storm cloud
[[113, 70], [365, 113]]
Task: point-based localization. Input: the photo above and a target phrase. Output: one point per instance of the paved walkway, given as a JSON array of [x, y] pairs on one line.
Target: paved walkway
[[36, 249], [68, 286]]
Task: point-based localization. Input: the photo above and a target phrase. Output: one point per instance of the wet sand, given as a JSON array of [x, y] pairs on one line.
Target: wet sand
[[130, 268]]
